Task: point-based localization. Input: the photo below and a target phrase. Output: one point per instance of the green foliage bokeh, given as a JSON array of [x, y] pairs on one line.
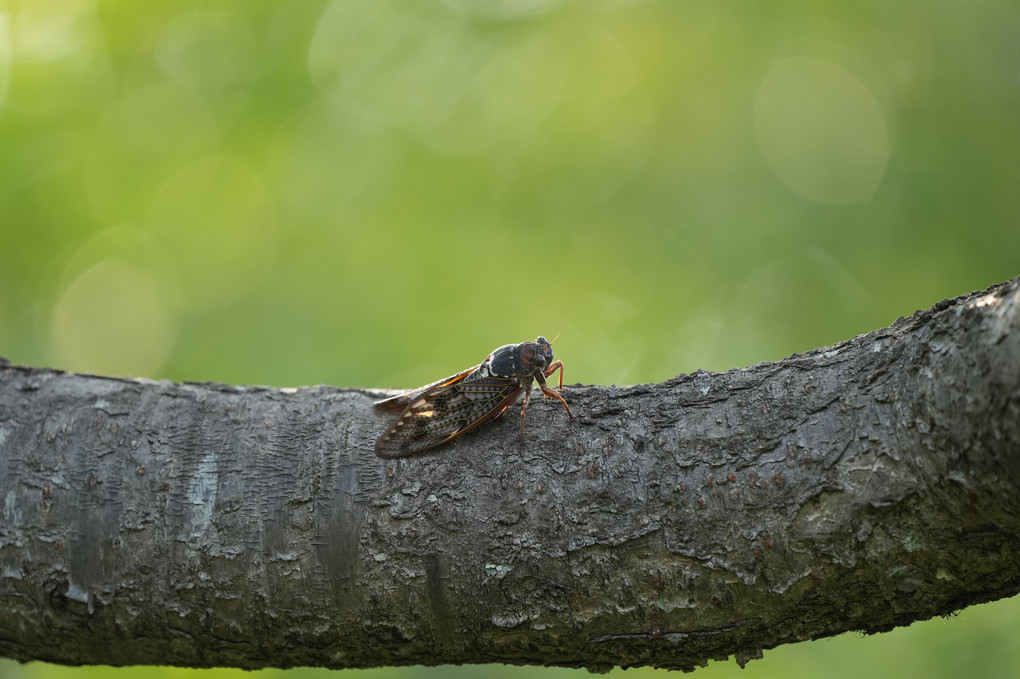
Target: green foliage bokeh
[[377, 193]]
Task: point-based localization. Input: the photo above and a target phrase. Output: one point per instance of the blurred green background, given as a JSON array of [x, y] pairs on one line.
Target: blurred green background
[[374, 193]]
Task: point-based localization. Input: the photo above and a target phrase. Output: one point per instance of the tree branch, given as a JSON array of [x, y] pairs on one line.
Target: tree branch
[[858, 487]]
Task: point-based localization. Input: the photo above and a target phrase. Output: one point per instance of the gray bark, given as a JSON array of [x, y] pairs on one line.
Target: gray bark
[[858, 487]]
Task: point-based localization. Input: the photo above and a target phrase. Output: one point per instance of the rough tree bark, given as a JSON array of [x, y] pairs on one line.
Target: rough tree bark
[[858, 487]]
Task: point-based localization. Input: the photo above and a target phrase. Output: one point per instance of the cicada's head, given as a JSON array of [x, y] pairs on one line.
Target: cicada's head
[[543, 354]]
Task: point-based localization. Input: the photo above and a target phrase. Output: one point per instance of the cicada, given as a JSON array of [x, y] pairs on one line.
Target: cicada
[[440, 412]]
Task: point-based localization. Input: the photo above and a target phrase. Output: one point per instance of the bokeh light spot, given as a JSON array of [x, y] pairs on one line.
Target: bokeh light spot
[[46, 30], [393, 63], [110, 320], [821, 131], [492, 113], [503, 10], [208, 50], [6, 50]]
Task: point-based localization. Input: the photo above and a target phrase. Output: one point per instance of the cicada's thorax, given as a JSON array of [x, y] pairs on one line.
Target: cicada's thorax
[[516, 360]]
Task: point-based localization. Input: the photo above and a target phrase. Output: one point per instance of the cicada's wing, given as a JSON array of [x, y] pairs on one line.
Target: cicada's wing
[[401, 401], [444, 412]]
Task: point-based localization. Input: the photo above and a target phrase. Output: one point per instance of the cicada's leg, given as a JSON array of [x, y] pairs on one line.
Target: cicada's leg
[[553, 367], [549, 391], [524, 408]]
